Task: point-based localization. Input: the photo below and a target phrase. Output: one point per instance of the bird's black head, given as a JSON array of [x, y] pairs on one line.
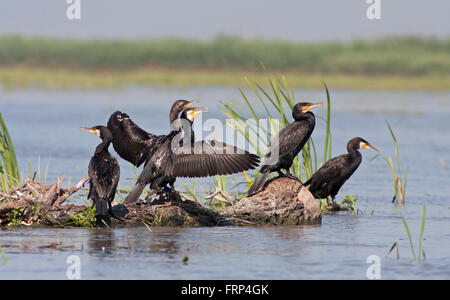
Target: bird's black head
[[101, 131], [179, 106], [116, 119], [300, 109], [359, 143]]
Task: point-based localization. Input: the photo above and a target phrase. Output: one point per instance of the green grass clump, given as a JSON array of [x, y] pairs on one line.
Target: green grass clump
[[85, 218], [9, 170]]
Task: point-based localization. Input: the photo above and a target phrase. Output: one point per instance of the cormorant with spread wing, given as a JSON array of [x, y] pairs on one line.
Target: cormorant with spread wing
[[104, 172], [287, 144], [166, 160], [334, 173], [129, 140]]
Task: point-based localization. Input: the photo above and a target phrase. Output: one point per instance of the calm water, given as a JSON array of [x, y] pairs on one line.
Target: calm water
[[46, 124]]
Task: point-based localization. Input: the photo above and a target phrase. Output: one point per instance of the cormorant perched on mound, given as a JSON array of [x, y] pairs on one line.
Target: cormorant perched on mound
[[332, 175], [206, 158], [129, 140], [287, 144], [104, 172]]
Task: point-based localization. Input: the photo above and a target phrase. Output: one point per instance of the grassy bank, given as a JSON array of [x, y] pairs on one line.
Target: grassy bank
[[26, 77], [395, 63]]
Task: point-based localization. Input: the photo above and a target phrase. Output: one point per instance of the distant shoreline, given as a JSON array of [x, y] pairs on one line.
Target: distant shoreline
[[21, 77], [403, 63]]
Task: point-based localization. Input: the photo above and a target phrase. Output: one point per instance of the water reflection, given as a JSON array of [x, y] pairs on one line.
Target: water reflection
[[101, 241]]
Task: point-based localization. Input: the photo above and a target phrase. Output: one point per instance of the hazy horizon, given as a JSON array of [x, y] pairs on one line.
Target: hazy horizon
[[299, 21]]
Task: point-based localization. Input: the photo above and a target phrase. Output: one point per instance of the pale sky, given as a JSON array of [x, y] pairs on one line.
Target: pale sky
[[298, 20]]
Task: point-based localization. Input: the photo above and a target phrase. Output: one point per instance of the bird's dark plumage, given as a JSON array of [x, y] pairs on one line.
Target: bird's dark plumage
[[188, 159], [129, 140], [334, 173], [287, 144], [104, 173]]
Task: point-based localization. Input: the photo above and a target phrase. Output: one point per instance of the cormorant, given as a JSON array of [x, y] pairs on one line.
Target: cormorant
[[104, 173], [332, 175], [287, 144], [205, 158], [129, 140]]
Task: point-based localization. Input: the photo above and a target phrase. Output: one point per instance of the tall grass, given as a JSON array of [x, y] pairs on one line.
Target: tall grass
[[399, 180], [420, 254], [9, 170], [391, 56], [277, 103]]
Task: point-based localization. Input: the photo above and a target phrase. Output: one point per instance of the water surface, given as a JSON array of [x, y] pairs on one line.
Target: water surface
[[46, 124]]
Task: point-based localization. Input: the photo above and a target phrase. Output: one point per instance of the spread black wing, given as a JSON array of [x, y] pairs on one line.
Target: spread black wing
[[210, 158], [129, 140]]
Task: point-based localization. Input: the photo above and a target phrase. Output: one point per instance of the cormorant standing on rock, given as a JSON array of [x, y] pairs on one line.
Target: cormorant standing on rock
[[287, 144]]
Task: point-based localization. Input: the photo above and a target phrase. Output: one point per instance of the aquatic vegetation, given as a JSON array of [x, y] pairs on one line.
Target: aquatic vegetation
[[17, 216], [349, 202], [420, 254], [5, 258], [275, 99], [85, 218], [399, 184], [9, 170]]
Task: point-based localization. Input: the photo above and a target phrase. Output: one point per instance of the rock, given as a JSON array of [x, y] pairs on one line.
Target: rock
[[283, 201]]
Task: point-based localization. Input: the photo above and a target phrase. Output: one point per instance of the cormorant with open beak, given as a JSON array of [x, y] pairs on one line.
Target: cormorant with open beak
[[334, 173], [165, 160], [104, 173], [287, 144]]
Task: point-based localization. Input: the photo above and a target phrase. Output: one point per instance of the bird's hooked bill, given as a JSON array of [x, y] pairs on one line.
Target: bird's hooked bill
[[92, 130], [190, 103], [311, 106], [368, 146], [308, 106]]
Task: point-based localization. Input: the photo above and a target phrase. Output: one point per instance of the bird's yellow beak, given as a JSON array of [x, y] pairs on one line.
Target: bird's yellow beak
[[309, 107], [194, 112], [190, 103], [94, 131], [368, 146]]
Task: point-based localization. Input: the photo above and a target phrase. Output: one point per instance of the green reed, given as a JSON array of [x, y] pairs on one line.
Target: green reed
[[399, 183], [277, 102], [9, 170], [420, 255]]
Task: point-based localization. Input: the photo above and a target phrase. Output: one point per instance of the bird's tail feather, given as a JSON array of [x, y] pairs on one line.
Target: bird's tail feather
[[258, 184], [133, 196], [101, 213]]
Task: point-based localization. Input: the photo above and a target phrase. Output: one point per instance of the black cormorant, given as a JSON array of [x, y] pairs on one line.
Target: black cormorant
[[167, 160], [332, 175], [129, 140], [104, 173], [287, 144]]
